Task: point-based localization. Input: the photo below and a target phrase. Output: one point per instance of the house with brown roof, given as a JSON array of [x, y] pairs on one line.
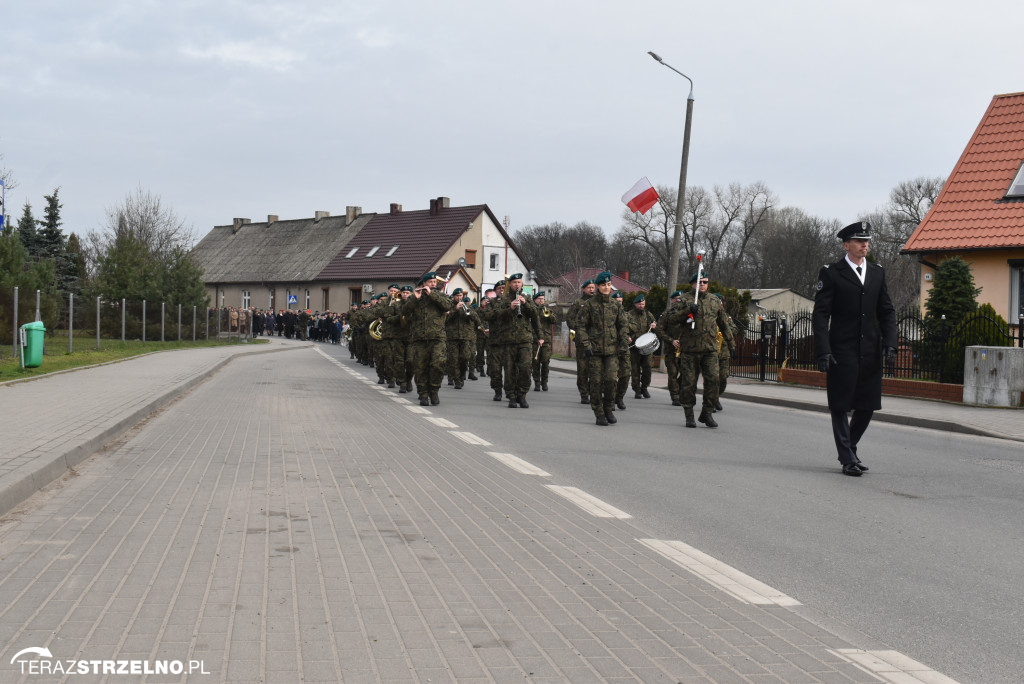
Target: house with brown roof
[[327, 263], [565, 289], [979, 215]]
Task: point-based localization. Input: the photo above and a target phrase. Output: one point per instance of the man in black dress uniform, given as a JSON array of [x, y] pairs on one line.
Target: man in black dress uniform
[[854, 328]]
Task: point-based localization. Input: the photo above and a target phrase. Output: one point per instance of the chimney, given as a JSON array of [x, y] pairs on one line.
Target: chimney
[[433, 207], [320, 215], [396, 208], [238, 223], [442, 203], [624, 275], [271, 219], [351, 214]]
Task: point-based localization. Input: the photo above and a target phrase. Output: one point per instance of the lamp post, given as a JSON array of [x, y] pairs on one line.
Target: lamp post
[[681, 199]]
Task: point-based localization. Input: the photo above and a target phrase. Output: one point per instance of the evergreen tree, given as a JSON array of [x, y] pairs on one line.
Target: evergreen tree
[[50, 235], [953, 293], [27, 233], [74, 274], [17, 269]]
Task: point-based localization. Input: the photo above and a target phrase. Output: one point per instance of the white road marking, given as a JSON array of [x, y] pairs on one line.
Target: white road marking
[[418, 409], [400, 400], [590, 504], [518, 464], [892, 666], [470, 438], [442, 422], [728, 579]]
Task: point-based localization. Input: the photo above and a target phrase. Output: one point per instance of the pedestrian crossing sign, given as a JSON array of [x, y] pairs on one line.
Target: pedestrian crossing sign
[[293, 299]]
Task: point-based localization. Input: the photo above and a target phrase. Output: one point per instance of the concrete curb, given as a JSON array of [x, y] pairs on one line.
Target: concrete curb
[[18, 485]]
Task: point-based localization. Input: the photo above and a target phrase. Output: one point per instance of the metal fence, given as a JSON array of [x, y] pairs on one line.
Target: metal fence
[[926, 352], [76, 322]]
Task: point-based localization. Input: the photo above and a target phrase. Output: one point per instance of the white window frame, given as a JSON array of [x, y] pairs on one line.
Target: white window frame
[[1016, 292], [246, 299], [372, 251], [493, 261], [306, 308], [1017, 186]]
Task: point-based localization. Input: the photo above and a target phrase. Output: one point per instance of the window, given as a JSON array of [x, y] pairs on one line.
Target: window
[[307, 300], [392, 250], [327, 298], [372, 251], [352, 253], [470, 258], [1017, 186], [270, 300], [1016, 290], [494, 262], [245, 299]]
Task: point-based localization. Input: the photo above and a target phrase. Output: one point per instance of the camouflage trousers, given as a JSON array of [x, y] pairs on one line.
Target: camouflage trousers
[[541, 363], [582, 371], [426, 359], [495, 365], [723, 371], [518, 364], [693, 364], [640, 374], [481, 353], [625, 372], [379, 349], [461, 358], [399, 369], [672, 365], [604, 375]]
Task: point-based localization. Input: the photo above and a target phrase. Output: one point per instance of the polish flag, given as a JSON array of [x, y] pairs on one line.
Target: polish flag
[[641, 197]]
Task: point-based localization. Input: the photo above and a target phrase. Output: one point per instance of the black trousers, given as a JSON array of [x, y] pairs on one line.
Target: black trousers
[[847, 432]]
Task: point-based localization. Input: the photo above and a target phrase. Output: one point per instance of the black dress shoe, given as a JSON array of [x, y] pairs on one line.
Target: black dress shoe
[[862, 466], [852, 470]]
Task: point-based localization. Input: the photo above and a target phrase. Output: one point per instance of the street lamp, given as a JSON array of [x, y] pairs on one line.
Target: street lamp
[[681, 199]]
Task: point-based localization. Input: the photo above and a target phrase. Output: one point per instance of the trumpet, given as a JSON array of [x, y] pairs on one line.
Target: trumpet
[[545, 312]]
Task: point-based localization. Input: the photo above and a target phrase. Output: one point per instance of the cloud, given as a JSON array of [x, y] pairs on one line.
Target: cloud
[[376, 37], [249, 54]]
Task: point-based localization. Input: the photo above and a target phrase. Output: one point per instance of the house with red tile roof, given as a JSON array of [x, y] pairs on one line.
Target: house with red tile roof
[[565, 289], [327, 263], [979, 215]]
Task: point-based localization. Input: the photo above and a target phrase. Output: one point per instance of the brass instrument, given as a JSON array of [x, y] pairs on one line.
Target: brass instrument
[[545, 312], [377, 329], [572, 334]]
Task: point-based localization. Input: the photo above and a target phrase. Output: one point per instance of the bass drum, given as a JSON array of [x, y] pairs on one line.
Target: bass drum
[[647, 343]]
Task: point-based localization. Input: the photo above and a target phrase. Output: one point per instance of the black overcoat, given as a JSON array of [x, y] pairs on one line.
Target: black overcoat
[[853, 322]]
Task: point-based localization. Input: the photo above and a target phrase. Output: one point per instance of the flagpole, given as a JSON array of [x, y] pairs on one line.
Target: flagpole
[[681, 197]]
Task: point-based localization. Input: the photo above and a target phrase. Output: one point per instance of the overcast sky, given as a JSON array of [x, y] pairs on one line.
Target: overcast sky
[[545, 111]]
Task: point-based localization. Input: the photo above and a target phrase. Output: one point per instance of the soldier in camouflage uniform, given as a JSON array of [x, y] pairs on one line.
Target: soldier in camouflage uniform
[[481, 334], [641, 321], [460, 328], [549, 323], [425, 312], [669, 336], [519, 315], [625, 365], [724, 360], [582, 372], [397, 332], [699, 345], [601, 329], [497, 340]]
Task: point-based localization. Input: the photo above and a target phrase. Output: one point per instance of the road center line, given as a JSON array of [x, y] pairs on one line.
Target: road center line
[[518, 464], [892, 666], [590, 504], [730, 580]]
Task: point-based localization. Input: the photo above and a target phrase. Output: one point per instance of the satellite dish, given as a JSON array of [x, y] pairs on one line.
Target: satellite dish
[[462, 262]]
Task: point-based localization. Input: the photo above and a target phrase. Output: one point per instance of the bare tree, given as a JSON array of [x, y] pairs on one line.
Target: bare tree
[[554, 248], [788, 252]]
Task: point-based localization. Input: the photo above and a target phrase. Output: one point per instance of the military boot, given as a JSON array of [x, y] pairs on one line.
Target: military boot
[[472, 376], [620, 403], [645, 394], [512, 403], [718, 405], [584, 398], [434, 399], [403, 388], [522, 401], [424, 401], [690, 422], [610, 417], [497, 395], [391, 384], [706, 418], [602, 420]]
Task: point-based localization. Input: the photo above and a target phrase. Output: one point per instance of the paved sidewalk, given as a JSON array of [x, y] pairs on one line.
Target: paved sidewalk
[[266, 527], [51, 423], [1003, 423]]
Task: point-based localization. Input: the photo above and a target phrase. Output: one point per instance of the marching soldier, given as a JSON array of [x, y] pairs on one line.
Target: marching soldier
[[641, 321], [396, 333], [601, 331], [625, 365], [725, 360], [460, 328], [481, 334], [582, 369], [549, 323], [497, 340], [669, 336], [519, 315], [698, 343], [425, 312]]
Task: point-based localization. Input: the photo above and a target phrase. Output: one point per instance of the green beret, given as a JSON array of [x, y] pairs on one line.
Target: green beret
[[407, 288], [639, 298], [540, 293], [589, 282], [677, 293], [499, 284], [426, 277], [393, 285], [693, 278], [467, 298], [365, 301], [603, 277], [717, 295], [456, 291], [617, 294], [516, 276]]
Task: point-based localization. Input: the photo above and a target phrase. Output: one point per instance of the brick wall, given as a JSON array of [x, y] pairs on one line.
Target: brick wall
[[893, 387]]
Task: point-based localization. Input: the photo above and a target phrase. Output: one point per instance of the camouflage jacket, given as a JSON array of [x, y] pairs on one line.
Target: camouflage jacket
[[702, 336], [601, 326], [498, 330], [639, 322], [519, 329], [550, 326], [395, 325], [425, 316], [669, 331], [573, 313], [459, 325]]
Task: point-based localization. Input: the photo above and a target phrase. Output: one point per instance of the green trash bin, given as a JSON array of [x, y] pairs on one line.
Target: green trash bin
[[32, 344]]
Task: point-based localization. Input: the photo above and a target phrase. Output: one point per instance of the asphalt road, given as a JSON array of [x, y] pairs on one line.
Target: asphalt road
[[923, 553]]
